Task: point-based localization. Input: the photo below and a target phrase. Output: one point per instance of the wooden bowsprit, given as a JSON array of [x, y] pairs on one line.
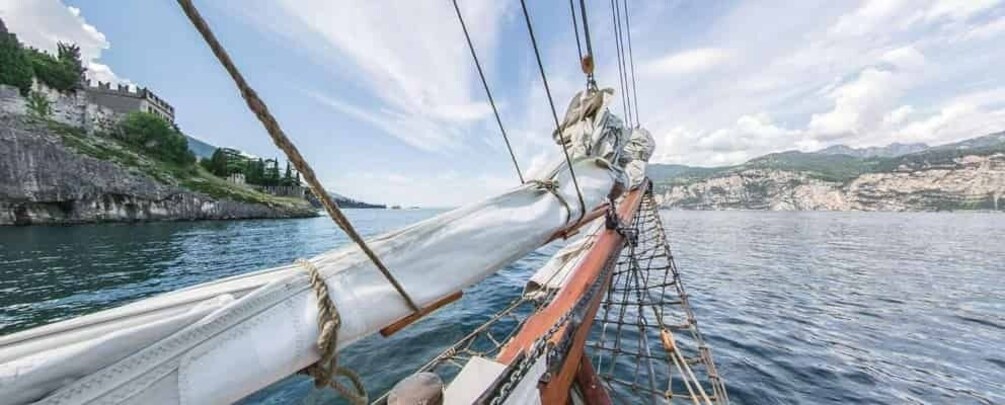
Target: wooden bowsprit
[[566, 320]]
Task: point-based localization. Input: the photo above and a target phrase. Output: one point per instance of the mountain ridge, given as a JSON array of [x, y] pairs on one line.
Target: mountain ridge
[[968, 174]]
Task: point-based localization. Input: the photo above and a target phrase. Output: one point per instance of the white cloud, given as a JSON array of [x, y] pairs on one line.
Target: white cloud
[[905, 58], [421, 189], [958, 9], [992, 29], [691, 61], [44, 23], [898, 116], [872, 16], [857, 105], [406, 57]]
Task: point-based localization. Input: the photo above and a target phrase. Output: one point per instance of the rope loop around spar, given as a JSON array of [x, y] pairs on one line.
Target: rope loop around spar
[[326, 370], [552, 186], [279, 138]]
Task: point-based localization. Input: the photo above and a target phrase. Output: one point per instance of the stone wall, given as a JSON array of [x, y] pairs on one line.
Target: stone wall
[[11, 101], [70, 108]]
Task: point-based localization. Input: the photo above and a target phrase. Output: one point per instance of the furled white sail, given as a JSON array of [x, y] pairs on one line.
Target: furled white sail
[[220, 341]]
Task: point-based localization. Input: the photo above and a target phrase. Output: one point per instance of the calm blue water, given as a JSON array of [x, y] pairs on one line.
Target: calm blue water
[[798, 307]]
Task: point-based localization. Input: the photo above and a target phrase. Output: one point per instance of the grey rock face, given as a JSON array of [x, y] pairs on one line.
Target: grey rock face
[[43, 181], [969, 182]]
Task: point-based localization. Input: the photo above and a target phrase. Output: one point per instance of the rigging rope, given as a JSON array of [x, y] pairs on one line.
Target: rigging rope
[[485, 84], [585, 61], [326, 370], [622, 78], [258, 107], [554, 114], [575, 30], [631, 59], [589, 45]]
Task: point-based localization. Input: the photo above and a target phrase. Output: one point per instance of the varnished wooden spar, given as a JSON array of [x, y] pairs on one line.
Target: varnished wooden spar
[[422, 312], [415, 316], [582, 279]]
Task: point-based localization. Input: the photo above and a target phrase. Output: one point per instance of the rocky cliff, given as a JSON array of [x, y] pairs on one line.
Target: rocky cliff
[[967, 176], [44, 180]]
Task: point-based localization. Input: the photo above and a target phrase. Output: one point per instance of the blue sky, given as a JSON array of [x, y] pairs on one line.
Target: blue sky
[[383, 99]]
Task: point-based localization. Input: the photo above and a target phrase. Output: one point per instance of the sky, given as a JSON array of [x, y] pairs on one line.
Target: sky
[[383, 98]]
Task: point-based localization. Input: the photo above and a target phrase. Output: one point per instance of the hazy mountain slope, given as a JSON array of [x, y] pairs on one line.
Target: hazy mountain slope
[[964, 175]]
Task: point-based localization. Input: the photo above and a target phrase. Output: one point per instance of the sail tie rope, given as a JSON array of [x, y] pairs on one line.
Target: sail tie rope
[[551, 186], [326, 370]]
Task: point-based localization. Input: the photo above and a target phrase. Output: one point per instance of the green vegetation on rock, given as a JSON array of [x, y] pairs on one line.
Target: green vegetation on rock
[[38, 105], [155, 137], [15, 67], [163, 168], [225, 162], [18, 65]]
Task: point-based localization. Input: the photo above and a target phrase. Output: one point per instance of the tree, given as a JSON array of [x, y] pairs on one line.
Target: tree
[[218, 163], [155, 137], [15, 66], [69, 56], [254, 174], [51, 71], [287, 176]]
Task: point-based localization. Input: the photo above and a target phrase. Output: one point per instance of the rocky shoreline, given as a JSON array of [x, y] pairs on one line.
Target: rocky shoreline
[[43, 181], [969, 183]]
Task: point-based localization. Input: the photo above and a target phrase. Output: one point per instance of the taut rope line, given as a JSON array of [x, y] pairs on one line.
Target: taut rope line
[[622, 74], [485, 83], [551, 103], [631, 60], [279, 137]]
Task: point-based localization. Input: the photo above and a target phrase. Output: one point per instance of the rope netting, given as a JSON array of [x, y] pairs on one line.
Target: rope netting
[[645, 345]]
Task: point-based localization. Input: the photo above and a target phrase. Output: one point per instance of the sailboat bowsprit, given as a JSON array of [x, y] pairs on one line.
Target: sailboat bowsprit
[[612, 296]]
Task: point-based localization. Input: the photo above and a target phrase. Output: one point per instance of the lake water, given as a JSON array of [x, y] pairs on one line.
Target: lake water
[[797, 307]]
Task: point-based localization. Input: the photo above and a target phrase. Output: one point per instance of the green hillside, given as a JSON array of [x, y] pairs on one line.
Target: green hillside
[[184, 174]]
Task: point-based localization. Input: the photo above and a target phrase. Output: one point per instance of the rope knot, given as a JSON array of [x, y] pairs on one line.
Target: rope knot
[[326, 370]]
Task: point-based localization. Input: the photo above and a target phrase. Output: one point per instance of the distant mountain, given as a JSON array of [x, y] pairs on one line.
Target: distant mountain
[[344, 202], [891, 150], [963, 175], [200, 149], [347, 202]]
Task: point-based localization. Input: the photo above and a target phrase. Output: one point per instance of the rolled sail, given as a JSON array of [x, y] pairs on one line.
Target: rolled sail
[[221, 341]]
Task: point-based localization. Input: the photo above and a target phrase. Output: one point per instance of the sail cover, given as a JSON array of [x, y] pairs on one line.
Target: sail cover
[[220, 341]]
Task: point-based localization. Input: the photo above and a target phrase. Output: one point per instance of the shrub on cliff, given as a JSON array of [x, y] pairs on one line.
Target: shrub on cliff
[[155, 137], [15, 67], [63, 73]]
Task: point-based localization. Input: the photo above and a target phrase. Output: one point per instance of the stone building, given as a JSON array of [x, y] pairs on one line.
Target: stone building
[[123, 100]]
